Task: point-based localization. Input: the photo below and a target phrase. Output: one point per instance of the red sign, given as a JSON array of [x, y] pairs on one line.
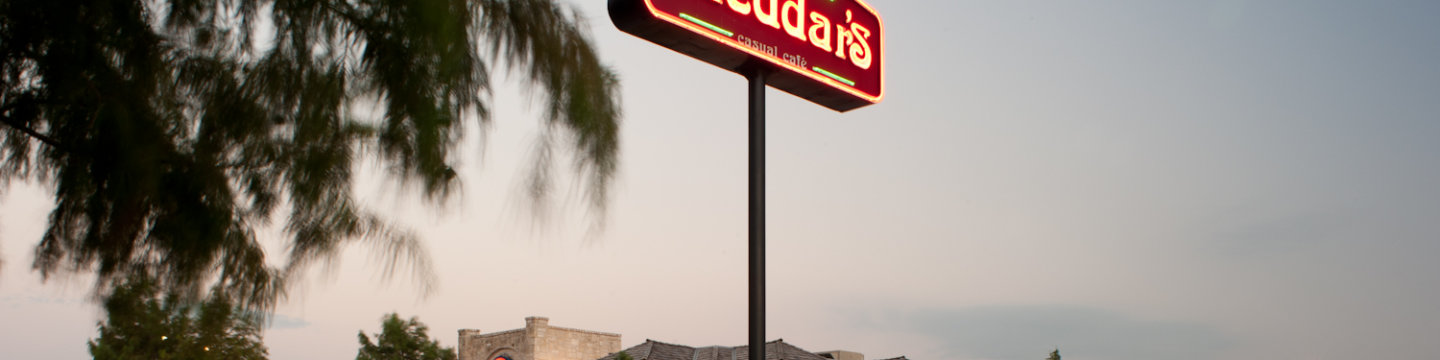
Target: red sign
[[826, 51]]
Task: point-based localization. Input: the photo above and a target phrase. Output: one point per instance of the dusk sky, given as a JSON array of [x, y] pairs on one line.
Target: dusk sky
[[1225, 179]]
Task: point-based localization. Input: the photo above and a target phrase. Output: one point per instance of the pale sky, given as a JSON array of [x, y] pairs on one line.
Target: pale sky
[[1119, 179]]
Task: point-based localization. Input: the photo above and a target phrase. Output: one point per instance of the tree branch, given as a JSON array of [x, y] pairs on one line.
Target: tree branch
[[28, 131]]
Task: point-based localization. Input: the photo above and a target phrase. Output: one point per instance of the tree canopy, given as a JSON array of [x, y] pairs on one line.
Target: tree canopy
[[142, 326], [171, 130], [402, 340]]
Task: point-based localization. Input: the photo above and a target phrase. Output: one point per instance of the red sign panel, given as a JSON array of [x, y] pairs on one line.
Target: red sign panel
[[826, 51]]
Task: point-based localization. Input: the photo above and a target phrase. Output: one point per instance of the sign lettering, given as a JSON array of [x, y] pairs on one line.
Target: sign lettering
[[826, 51]]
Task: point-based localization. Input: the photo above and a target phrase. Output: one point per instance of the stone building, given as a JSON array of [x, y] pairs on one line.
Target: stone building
[[537, 341], [540, 341]]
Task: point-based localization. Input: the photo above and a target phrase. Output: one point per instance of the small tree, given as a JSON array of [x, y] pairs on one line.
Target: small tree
[[1054, 355], [139, 325], [402, 340]]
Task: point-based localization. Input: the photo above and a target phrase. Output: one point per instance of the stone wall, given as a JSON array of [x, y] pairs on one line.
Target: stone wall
[[538, 341], [574, 344], [476, 346]]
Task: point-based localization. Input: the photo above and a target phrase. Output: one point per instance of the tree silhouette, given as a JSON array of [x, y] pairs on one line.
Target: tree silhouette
[[402, 340], [170, 130], [142, 326]]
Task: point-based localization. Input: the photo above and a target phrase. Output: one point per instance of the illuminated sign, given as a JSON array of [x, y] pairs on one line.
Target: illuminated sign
[[827, 51]]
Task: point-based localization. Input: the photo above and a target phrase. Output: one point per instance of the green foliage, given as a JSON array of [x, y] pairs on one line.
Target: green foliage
[[171, 130], [141, 326], [1054, 355], [402, 340], [623, 356]]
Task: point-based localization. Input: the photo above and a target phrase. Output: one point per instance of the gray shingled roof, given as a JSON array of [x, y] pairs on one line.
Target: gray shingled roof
[[774, 350]]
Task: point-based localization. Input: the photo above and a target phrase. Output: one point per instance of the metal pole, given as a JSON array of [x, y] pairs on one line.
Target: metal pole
[[757, 213]]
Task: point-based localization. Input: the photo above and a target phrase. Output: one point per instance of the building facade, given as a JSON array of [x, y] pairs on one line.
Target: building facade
[[774, 350], [540, 341], [537, 341]]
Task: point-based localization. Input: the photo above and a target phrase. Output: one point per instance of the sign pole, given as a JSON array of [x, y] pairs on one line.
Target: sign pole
[[783, 47], [756, 77]]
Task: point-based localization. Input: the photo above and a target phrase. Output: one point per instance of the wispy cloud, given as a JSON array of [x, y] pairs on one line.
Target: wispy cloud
[[1030, 332], [1256, 235], [278, 321]]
